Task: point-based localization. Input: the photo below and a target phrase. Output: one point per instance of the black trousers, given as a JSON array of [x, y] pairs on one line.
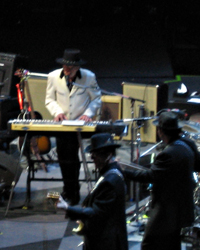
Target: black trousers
[[162, 242], [67, 150]]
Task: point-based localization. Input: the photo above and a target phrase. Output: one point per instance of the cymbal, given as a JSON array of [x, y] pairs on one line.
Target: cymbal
[[193, 124], [195, 117], [191, 127]]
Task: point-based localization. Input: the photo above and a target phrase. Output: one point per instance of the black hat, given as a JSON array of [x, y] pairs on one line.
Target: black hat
[[101, 141], [71, 57], [168, 121]]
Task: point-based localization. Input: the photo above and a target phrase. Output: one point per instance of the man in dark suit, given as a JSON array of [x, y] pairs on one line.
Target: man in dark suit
[[172, 206], [102, 214]]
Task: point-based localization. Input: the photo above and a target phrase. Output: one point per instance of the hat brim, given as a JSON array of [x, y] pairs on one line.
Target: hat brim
[[89, 149], [180, 124], [70, 63]]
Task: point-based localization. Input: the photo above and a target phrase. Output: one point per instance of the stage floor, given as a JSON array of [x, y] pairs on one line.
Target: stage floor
[[39, 225]]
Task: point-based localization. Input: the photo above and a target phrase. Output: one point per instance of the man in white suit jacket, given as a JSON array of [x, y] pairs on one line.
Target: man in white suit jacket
[[72, 94]]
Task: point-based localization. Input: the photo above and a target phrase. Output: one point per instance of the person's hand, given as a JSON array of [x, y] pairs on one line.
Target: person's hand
[[117, 158], [62, 203], [122, 167], [85, 118], [79, 228], [60, 117]]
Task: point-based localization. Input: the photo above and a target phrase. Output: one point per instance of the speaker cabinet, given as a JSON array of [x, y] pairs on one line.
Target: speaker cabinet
[[9, 109], [10, 170], [111, 108], [155, 98], [9, 63], [37, 86]]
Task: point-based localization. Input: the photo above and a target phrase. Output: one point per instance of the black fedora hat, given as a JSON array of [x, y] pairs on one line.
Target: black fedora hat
[[71, 57], [101, 141], [168, 120]]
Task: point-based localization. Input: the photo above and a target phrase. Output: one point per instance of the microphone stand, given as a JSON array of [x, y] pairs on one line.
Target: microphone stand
[[140, 124], [132, 130], [123, 96]]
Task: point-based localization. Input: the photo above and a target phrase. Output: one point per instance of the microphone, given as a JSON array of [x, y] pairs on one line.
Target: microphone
[[141, 114], [141, 111]]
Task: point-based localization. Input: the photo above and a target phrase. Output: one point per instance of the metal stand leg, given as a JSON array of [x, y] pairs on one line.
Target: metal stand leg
[[30, 174], [138, 143], [85, 166], [132, 146], [28, 183], [14, 181], [132, 130]]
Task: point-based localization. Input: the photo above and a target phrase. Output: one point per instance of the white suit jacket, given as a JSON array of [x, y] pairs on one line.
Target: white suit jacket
[[78, 102]]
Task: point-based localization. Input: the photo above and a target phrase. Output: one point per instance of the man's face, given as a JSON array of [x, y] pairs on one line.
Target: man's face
[[160, 133], [100, 158], [70, 70]]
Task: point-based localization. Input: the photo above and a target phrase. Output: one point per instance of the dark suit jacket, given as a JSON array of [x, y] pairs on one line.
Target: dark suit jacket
[[172, 194], [103, 213]]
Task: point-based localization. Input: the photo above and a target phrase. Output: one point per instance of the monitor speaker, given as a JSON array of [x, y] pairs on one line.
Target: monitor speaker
[[155, 98], [111, 108], [9, 109], [9, 63], [10, 169]]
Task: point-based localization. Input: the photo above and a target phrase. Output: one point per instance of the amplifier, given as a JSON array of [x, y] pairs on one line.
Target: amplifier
[[37, 86], [155, 98], [8, 65], [111, 108]]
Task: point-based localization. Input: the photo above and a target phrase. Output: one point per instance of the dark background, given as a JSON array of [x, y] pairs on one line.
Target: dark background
[[137, 41]]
